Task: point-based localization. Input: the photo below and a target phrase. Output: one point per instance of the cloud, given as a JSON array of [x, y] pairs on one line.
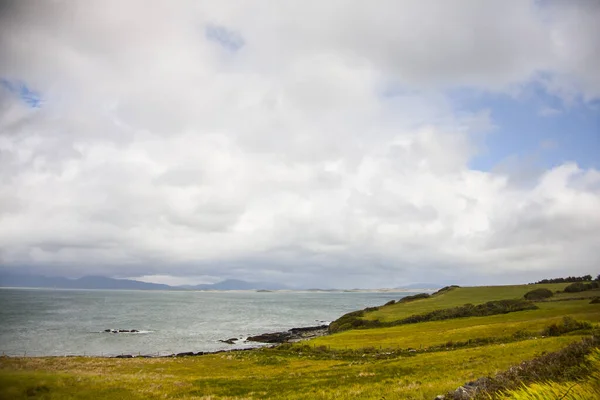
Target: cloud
[[157, 153], [550, 112]]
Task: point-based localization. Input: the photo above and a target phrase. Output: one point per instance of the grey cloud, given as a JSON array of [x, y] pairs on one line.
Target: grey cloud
[[158, 153]]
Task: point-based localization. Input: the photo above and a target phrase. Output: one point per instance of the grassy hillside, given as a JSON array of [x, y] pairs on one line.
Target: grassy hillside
[[414, 361], [457, 297], [525, 323]]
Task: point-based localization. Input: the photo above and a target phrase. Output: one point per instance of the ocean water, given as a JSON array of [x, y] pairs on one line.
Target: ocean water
[[42, 322]]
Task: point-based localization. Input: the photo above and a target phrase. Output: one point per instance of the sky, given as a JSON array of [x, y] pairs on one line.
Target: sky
[[315, 144]]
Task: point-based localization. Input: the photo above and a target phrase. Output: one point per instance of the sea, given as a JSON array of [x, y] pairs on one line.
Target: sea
[[64, 322]]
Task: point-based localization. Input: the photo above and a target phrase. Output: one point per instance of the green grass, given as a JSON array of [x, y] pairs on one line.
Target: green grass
[[457, 297], [462, 329], [355, 364], [261, 374]]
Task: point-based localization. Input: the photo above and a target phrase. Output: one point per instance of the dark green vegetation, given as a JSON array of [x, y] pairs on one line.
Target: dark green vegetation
[[581, 287], [454, 336], [538, 294], [569, 279]]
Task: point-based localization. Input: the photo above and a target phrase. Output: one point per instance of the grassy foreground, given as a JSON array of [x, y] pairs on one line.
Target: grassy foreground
[[414, 361]]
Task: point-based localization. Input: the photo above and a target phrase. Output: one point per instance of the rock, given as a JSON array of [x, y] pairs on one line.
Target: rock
[[124, 356], [186, 354], [440, 397], [200, 353], [107, 330], [123, 331], [308, 329], [276, 337], [229, 341], [134, 331], [293, 335]]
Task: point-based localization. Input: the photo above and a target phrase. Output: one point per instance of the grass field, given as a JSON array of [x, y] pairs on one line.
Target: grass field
[[458, 297], [364, 364], [462, 329]]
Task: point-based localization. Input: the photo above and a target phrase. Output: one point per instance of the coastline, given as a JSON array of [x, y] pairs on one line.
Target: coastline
[[264, 340]]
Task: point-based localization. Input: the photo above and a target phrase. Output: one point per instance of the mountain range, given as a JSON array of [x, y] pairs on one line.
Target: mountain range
[[101, 282]]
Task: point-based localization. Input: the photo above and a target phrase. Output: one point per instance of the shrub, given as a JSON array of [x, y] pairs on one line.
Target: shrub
[[577, 287], [389, 303], [595, 300], [469, 310], [419, 296], [569, 364], [353, 320], [445, 289], [567, 325], [538, 294]]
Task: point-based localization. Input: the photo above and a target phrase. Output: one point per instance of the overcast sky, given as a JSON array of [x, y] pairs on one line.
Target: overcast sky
[[313, 143]]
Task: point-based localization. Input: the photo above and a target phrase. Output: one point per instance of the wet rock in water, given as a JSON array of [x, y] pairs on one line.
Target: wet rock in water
[[200, 353], [134, 331], [229, 341]]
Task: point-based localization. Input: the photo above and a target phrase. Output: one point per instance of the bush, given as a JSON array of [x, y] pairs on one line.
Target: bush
[[445, 289], [538, 294], [569, 364], [469, 310], [353, 320], [419, 296], [595, 300], [567, 325], [577, 287]]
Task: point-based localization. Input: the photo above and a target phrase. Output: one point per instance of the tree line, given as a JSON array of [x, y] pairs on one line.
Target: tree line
[[569, 279]]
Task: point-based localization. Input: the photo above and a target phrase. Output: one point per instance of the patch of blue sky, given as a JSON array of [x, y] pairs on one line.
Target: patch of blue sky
[[226, 38], [537, 125], [27, 95]]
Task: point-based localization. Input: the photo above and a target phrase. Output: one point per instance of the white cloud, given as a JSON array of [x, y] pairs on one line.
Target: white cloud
[[161, 153]]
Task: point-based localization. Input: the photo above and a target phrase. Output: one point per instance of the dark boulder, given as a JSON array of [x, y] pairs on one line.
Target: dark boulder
[[186, 354], [276, 337], [229, 341], [124, 356]]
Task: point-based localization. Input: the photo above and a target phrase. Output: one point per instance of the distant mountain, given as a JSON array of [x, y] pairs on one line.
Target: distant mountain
[[102, 282], [236, 284], [86, 282]]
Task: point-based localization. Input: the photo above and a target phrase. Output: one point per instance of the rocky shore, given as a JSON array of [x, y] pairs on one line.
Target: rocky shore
[[272, 338], [292, 335]]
